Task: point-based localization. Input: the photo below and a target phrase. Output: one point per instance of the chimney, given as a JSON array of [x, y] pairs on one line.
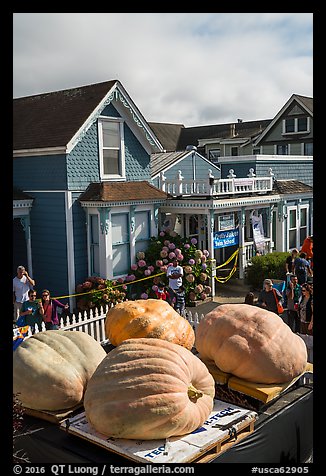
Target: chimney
[[232, 130]]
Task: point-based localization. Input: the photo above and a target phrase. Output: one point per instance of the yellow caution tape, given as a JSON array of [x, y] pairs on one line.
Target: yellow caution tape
[[92, 291]]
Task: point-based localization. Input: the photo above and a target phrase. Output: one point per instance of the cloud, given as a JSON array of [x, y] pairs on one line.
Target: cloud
[[190, 68]]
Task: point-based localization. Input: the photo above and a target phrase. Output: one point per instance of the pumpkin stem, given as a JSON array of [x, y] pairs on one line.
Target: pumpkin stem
[[193, 393]]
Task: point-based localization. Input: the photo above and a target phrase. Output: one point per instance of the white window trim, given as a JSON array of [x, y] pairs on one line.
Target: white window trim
[[122, 164], [296, 131], [298, 209], [288, 146], [302, 149]]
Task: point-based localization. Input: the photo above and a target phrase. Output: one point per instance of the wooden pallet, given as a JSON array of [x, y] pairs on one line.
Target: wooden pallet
[[227, 425], [53, 416], [243, 430], [265, 393]]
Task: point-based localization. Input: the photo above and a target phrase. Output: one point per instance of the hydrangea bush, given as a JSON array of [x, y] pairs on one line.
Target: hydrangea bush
[[150, 269]]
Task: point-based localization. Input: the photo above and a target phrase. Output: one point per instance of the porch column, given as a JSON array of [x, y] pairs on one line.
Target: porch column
[[26, 224], [70, 249], [270, 226], [242, 250], [105, 252], [210, 233], [282, 236]]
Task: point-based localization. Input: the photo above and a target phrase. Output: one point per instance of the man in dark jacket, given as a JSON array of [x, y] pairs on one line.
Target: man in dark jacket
[[269, 296]]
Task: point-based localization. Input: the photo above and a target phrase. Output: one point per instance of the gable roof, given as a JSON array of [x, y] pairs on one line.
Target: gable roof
[[122, 192], [164, 160], [168, 134], [304, 101], [55, 119]]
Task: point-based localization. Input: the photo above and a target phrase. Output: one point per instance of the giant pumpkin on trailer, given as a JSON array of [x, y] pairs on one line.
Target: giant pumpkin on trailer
[[51, 369], [251, 343], [149, 389], [151, 318]]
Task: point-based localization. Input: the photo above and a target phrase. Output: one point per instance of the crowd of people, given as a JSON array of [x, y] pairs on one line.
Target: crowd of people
[[298, 293], [28, 309]]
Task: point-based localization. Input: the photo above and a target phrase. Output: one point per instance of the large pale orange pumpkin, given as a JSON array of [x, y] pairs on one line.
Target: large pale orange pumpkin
[[51, 369], [149, 389], [251, 343], [147, 318]]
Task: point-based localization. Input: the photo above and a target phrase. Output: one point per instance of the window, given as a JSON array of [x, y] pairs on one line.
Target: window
[[234, 151], [94, 245], [308, 149], [111, 148], [303, 224], [282, 149], [214, 154], [297, 225], [295, 125], [142, 230], [256, 151], [120, 243], [302, 124], [289, 125], [292, 228]]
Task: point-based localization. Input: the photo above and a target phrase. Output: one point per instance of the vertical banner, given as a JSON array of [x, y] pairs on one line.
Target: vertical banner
[[258, 233]]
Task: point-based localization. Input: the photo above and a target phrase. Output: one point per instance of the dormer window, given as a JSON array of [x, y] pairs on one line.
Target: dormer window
[[111, 141], [296, 125]]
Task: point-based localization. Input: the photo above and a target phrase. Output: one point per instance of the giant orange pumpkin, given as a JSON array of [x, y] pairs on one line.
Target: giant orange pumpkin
[[251, 343], [149, 389], [51, 369], [147, 318]]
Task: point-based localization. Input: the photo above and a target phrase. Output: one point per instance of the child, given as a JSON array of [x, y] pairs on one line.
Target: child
[[180, 304], [161, 292]]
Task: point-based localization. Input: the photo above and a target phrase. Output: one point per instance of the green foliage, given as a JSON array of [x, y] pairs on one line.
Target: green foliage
[[271, 265], [150, 269]]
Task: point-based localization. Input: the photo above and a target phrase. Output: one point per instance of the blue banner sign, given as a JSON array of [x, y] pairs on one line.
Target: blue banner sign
[[222, 239]]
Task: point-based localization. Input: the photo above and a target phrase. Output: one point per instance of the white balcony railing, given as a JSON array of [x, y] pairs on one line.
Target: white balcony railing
[[216, 187]]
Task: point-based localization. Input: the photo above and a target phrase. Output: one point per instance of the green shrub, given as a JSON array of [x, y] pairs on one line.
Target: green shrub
[[270, 266]]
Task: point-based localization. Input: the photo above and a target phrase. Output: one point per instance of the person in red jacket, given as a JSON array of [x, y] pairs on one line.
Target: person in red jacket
[[161, 292], [307, 247]]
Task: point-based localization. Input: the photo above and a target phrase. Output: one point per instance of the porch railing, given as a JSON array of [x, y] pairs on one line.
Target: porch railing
[[249, 250], [212, 186]]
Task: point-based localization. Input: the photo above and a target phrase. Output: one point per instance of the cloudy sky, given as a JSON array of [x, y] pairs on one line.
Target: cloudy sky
[[189, 68]]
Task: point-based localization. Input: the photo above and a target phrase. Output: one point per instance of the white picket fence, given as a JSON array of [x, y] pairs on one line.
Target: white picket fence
[[93, 323]]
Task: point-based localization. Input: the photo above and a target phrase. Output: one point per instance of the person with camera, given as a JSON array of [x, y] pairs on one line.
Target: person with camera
[[22, 283], [31, 312]]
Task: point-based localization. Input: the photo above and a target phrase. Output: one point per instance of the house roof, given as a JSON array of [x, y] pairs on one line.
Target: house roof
[[57, 119], [18, 194], [122, 191], [52, 119], [304, 101], [163, 160], [290, 186], [168, 134], [176, 137]]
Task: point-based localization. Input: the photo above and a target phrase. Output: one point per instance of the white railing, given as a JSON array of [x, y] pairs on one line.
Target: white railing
[[94, 323], [250, 249], [212, 186]]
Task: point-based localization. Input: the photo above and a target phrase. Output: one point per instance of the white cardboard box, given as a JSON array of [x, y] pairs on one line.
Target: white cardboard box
[[222, 429]]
